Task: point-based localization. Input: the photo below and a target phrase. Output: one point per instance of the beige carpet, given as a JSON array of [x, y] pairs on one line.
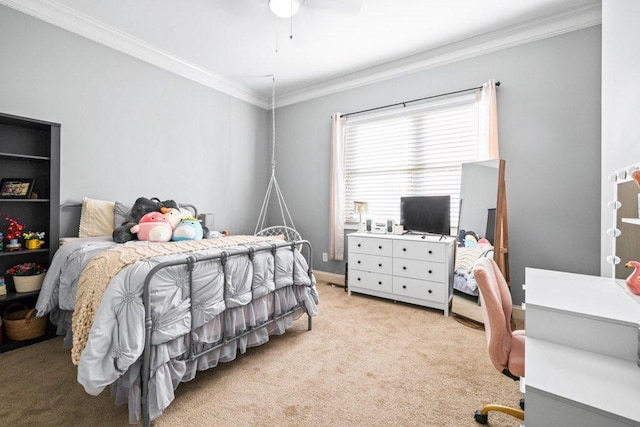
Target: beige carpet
[[367, 362]]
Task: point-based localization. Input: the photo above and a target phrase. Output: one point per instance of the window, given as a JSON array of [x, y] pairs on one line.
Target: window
[[413, 151]]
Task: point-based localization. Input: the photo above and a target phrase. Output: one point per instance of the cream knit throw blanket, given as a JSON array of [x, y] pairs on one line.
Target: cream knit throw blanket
[[95, 278]]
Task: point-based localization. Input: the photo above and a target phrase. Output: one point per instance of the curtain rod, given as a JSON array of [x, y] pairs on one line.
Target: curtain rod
[[415, 100]]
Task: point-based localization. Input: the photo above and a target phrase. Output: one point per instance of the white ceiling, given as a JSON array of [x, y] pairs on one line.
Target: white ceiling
[[230, 45]]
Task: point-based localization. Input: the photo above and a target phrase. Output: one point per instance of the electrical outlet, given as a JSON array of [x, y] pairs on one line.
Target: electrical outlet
[[325, 257]]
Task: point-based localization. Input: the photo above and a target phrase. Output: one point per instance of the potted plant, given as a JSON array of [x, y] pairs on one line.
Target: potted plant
[[33, 239], [27, 277]]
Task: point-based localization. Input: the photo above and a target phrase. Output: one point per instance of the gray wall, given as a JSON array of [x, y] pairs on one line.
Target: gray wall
[[130, 129], [549, 124]]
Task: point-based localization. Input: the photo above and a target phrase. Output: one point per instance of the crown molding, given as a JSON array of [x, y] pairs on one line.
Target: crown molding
[[476, 46], [59, 15], [68, 19]]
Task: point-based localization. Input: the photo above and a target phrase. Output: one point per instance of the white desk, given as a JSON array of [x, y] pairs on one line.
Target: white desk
[[582, 349]]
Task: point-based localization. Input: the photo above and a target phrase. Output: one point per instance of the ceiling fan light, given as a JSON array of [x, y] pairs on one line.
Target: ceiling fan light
[[285, 8]]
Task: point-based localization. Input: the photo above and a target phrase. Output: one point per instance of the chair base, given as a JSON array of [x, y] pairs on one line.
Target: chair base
[[482, 415]]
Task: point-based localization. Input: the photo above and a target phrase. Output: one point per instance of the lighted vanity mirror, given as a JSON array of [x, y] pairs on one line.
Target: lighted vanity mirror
[[482, 184], [627, 220]]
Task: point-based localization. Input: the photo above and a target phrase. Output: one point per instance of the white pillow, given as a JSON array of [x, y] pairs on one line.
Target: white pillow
[[97, 218]]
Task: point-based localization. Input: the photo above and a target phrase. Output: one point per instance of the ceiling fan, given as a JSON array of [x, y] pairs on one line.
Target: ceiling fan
[[288, 8]]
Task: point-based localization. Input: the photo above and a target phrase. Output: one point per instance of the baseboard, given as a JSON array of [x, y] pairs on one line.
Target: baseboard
[[338, 279], [325, 276]]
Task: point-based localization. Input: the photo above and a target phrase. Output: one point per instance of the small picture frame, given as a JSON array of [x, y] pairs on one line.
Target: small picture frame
[[16, 188]]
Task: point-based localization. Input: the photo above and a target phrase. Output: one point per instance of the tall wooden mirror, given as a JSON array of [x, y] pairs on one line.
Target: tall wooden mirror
[[483, 213]]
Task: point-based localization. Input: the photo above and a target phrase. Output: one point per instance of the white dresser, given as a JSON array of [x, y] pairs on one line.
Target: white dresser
[[409, 268], [582, 350]]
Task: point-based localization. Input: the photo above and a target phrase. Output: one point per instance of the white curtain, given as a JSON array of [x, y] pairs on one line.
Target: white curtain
[[488, 148], [336, 203]]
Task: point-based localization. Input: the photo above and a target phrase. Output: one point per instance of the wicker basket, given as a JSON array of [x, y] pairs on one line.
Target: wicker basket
[[21, 324], [28, 283]]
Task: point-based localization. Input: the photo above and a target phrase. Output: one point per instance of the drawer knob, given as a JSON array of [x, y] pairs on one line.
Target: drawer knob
[[430, 251], [430, 271], [379, 265], [404, 268], [430, 291], [379, 283], [358, 261], [359, 245], [358, 279], [404, 249], [379, 247], [404, 286]]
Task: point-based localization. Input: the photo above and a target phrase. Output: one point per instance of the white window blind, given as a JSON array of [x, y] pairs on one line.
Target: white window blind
[[415, 151]]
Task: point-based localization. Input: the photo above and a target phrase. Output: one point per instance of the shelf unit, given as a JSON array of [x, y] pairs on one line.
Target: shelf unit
[[29, 149]]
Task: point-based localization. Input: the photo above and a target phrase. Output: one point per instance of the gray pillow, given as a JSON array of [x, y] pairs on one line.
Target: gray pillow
[[121, 214]]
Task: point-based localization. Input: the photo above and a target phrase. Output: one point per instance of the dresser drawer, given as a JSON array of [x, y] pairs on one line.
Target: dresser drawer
[[421, 289], [420, 250], [373, 263], [368, 280], [421, 270], [371, 246]]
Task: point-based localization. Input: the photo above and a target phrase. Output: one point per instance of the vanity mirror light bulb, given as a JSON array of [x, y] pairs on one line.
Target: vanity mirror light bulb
[[613, 232], [614, 204], [622, 174], [613, 260]]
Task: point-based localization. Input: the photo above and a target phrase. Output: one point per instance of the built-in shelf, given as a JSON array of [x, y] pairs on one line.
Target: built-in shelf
[[22, 252], [16, 296], [8, 345], [4, 155], [29, 149], [25, 200], [635, 221]]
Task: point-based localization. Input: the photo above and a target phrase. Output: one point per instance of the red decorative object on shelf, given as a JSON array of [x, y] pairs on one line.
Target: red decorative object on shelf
[[14, 229]]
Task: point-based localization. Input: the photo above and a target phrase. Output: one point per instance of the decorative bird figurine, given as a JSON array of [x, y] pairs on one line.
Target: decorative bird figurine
[[633, 281], [635, 175]]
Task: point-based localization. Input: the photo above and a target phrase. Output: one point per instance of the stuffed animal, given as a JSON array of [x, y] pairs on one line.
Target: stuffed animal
[[173, 215], [470, 241], [467, 239], [141, 207], [188, 228], [484, 242], [153, 227]]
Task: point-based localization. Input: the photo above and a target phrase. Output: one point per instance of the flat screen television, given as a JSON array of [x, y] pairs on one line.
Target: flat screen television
[[426, 214]]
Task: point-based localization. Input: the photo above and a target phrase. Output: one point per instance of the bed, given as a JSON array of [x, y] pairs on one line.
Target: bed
[[466, 257], [142, 317]]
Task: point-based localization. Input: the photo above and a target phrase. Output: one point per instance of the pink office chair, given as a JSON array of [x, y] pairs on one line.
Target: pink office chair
[[506, 347]]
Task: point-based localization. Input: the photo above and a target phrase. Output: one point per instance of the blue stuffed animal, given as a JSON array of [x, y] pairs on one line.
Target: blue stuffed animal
[[188, 228]]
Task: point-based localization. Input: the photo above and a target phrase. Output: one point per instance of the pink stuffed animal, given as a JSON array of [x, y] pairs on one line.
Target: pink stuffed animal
[[153, 227]]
